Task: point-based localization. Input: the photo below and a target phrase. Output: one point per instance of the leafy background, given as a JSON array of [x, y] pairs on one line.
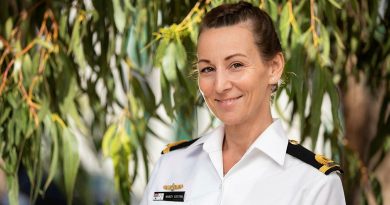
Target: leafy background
[[77, 77]]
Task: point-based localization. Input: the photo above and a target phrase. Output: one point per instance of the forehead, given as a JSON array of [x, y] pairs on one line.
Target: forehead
[[226, 40]]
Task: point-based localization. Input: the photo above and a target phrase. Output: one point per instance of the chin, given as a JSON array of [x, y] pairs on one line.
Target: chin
[[229, 120]]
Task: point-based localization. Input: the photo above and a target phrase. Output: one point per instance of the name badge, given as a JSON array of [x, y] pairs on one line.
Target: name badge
[[169, 196]]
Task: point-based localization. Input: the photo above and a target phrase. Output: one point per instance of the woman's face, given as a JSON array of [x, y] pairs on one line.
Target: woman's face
[[233, 78]]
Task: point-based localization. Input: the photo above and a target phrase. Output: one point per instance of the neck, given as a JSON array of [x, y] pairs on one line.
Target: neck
[[241, 137]]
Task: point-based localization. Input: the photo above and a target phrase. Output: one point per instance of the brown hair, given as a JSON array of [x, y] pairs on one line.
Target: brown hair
[[263, 29]]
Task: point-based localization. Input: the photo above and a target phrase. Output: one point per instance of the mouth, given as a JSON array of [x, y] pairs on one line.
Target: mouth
[[228, 100]]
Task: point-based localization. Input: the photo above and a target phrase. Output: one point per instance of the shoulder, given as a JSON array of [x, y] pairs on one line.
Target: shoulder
[[177, 145], [319, 162]]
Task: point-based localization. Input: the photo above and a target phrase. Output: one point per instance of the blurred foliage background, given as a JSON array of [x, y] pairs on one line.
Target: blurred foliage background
[[80, 71]]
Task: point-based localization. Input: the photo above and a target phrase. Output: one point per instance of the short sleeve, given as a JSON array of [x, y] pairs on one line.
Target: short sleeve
[[326, 191]]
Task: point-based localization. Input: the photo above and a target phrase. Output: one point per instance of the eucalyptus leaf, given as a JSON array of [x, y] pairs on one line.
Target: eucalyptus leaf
[[13, 189], [317, 95], [119, 15], [108, 139], [335, 3], [285, 26], [52, 131], [181, 55], [8, 27], [161, 50], [166, 95], [5, 114], [325, 42], [71, 162], [273, 10], [168, 62], [75, 38]]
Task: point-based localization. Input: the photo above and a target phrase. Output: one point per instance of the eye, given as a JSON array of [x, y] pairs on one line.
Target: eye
[[236, 65], [207, 70]]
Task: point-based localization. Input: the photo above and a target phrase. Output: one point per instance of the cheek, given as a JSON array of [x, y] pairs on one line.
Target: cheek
[[205, 86]]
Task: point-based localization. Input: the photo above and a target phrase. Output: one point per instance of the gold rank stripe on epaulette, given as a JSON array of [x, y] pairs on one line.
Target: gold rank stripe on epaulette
[[178, 145], [320, 162]]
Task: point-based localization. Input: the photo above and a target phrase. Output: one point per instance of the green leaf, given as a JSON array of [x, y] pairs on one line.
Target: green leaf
[[325, 43], [316, 103], [2, 146], [75, 38], [44, 44], [4, 115], [194, 32], [13, 189], [11, 133], [131, 131], [161, 49], [335, 3], [119, 16], [52, 132], [108, 138], [168, 62], [334, 99], [181, 55], [131, 49], [8, 27], [339, 40], [285, 26], [63, 27], [144, 92], [71, 162], [122, 181], [125, 143], [166, 95], [273, 10]]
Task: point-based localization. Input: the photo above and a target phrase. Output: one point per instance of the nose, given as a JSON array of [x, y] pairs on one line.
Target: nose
[[222, 82]]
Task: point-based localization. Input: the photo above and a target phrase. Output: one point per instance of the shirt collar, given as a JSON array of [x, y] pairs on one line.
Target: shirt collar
[[212, 141], [273, 141]]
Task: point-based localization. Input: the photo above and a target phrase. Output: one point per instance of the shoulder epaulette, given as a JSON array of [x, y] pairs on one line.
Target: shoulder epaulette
[[320, 162], [178, 145]]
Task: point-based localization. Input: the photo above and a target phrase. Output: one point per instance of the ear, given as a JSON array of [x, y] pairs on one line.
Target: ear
[[276, 68]]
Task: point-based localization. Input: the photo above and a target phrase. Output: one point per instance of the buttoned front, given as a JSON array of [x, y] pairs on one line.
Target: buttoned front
[[264, 175]]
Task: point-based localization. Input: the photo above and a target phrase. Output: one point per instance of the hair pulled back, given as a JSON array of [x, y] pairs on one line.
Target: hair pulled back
[[263, 29]]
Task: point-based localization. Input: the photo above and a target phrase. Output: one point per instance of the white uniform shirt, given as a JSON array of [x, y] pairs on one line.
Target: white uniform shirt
[[265, 175]]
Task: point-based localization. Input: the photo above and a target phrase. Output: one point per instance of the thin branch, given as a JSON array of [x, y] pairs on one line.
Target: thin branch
[[5, 74], [5, 42], [32, 106], [44, 56], [313, 23], [291, 18], [5, 53]]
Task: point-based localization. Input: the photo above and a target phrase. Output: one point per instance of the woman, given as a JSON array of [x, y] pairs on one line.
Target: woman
[[247, 160]]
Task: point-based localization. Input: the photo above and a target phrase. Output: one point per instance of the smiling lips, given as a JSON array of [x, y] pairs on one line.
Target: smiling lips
[[228, 101]]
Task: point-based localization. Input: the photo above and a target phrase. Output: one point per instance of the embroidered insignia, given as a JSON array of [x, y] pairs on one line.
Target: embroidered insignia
[[326, 163], [173, 187]]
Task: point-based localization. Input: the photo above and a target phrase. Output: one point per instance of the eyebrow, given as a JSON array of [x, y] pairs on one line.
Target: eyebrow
[[234, 55], [227, 58], [203, 60]]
